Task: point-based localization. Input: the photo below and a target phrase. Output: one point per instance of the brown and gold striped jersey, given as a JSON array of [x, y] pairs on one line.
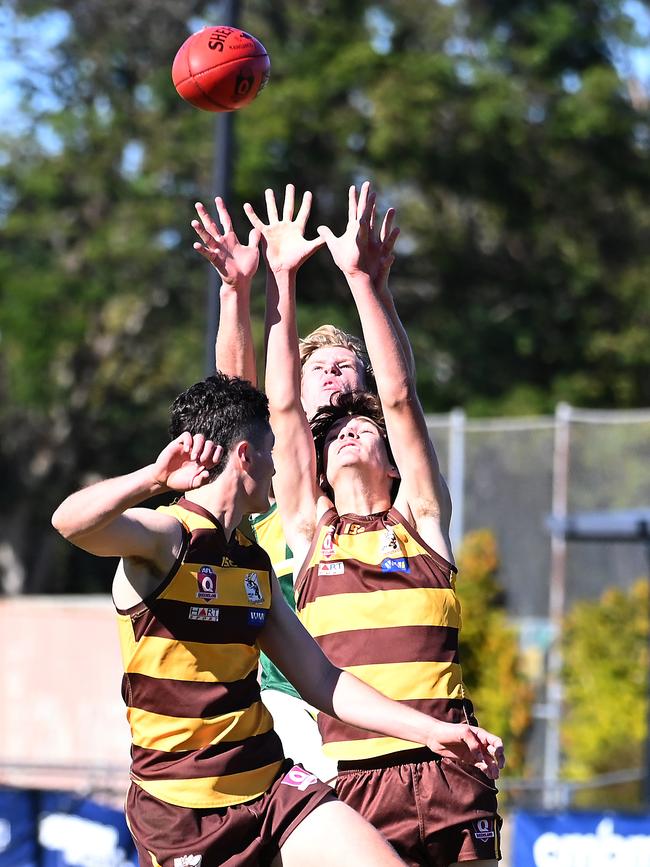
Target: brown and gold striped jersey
[[382, 605], [201, 735]]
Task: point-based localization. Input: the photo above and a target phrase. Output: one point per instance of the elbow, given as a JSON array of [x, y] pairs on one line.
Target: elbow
[[62, 525]]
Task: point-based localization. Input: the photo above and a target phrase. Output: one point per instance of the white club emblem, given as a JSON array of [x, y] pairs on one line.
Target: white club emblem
[[252, 588]]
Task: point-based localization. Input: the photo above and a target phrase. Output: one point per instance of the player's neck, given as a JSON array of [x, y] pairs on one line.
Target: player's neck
[[356, 496], [222, 499]]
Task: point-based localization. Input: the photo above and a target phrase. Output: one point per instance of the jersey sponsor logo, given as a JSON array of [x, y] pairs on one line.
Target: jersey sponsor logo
[[327, 545], [299, 778], [188, 861], [389, 543], [354, 529], [207, 581], [483, 830], [252, 588], [198, 612], [395, 564], [256, 617], [335, 568], [227, 563]]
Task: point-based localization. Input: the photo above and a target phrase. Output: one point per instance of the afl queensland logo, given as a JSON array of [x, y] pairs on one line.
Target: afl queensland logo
[[207, 581], [327, 545]]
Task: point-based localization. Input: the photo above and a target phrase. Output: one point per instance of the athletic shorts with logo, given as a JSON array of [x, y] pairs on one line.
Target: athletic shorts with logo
[[434, 811], [243, 835]]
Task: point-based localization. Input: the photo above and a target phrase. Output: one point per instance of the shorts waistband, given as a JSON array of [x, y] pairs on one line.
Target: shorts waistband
[[391, 760]]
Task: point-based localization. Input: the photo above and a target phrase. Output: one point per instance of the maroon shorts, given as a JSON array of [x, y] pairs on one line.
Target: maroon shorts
[[434, 811], [240, 836]]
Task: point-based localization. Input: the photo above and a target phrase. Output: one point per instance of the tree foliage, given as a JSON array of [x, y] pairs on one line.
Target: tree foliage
[[489, 650], [506, 135], [606, 672]]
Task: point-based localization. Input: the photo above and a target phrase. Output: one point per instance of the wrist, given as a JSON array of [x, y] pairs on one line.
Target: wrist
[[151, 483], [240, 286]]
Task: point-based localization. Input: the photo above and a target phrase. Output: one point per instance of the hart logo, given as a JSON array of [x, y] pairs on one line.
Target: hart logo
[[299, 778], [355, 529], [327, 545], [207, 581], [395, 564], [227, 563], [336, 568], [188, 861], [199, 613], [483, 830], [256, 618], [252, 588]]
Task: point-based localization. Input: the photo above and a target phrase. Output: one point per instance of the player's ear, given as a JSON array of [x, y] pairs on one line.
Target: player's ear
[[393, 472], [242, 452]]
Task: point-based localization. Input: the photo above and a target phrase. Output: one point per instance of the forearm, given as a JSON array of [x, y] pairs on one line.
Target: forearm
[[282, 383], [382, 339], [234, 348], [389, 304], [93, 508], [358, 704]]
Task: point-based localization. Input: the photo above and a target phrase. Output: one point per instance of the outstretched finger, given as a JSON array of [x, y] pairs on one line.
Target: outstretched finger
[[224, 216], [363, 199], [387, 224], [207, 221], [389, 242], [289, 201], [252, 216], [305, 209], [254, 237], [352, 204], [271, 207]]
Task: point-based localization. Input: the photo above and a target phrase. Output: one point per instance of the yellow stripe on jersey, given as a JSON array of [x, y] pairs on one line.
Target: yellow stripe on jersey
[[169, 734], [412, 680], [421, 606], [365, 546], [369, 748], [230, 586], [209, 792], [192, 661]]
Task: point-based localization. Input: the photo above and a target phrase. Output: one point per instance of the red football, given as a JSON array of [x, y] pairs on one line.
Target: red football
[[220, 68]]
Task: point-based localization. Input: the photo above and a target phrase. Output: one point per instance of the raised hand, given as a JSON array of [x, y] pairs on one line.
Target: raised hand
[[362, 248], [470, 744], [284, 242], [185, 463], [235, 262]]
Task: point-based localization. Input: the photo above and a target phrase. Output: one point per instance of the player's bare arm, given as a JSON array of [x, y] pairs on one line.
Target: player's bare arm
[[104, 520], [285, 250], [236, 264], [342, 695], [423, 496]]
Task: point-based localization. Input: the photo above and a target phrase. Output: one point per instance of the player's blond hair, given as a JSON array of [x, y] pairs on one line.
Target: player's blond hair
[[330, 335]]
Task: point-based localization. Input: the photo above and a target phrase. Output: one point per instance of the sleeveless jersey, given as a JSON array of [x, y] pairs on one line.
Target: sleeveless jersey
[[382, 605], [269, 535], [201, 736]]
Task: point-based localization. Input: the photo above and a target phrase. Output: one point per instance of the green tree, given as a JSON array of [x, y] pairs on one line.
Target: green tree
[[605, 647], [504, 133], [489, 651]]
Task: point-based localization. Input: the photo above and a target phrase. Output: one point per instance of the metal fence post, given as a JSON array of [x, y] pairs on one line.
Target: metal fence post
[[553, 797], [456, 481]]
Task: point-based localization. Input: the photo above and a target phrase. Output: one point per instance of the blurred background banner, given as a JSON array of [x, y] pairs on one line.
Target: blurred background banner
[[580, 840], [59, 829]]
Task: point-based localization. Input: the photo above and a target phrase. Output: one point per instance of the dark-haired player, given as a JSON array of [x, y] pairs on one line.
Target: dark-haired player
[[195, 601], [375, 578]]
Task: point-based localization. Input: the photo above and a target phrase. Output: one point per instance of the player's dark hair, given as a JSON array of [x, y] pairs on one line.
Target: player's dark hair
[[225, 409], [345, 405]]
